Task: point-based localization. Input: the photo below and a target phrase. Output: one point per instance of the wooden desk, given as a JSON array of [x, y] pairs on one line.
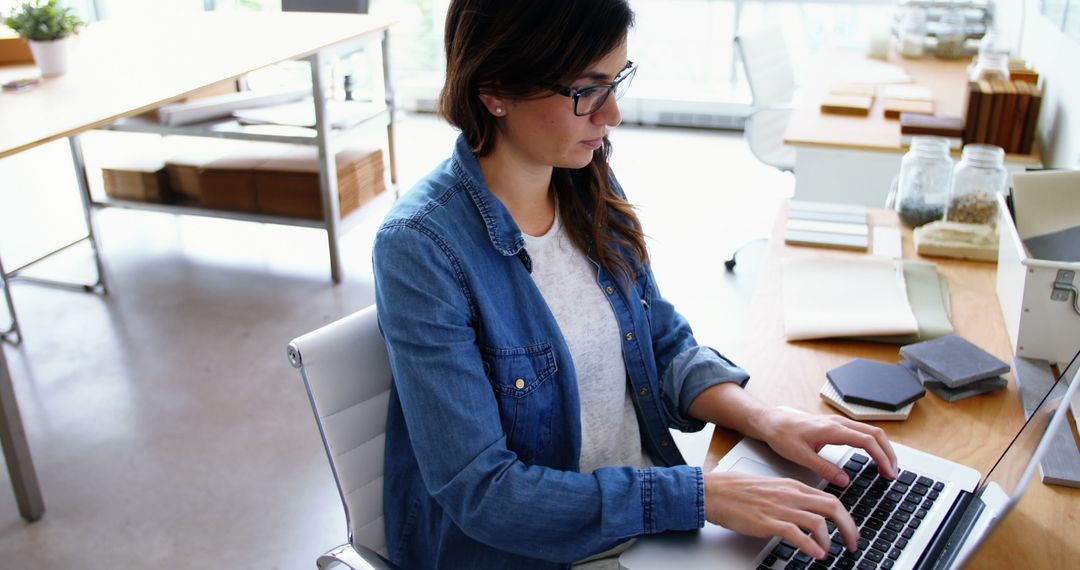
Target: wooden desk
[[121, 68], [850, 159], [1040, 533]]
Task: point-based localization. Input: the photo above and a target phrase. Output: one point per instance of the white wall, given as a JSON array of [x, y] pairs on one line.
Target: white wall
[[1055, 56]]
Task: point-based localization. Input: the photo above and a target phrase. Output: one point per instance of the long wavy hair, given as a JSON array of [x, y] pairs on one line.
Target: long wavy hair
[[515, 49]]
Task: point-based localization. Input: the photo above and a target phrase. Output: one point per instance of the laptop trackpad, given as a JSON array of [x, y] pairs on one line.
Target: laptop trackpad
[[751, 467]]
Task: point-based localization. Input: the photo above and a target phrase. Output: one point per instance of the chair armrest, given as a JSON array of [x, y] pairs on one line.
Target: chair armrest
[[356, 558]]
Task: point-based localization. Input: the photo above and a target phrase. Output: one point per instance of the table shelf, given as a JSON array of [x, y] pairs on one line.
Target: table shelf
[[232, 129]]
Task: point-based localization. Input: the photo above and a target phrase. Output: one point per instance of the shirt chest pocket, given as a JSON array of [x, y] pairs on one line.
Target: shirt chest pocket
[[525, 391]]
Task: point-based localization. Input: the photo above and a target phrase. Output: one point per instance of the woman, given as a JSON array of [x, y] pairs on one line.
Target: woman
[[536, 366]]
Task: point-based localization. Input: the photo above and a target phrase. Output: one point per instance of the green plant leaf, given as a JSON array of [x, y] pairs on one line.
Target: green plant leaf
[[43, 20]]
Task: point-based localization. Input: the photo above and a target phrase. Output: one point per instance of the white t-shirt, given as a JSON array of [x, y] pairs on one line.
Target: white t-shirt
[[610, 435]]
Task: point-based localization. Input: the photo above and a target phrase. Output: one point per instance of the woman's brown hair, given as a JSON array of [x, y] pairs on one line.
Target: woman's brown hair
[[517, 49]]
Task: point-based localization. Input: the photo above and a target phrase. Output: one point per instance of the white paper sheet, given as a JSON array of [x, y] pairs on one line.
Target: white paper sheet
[[845, 296]]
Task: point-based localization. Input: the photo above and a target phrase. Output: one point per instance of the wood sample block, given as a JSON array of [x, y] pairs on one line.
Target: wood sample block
[[895, 107]]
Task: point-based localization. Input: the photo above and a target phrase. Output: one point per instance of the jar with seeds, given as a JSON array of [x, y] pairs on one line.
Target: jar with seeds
[[923, 183], [978, 178]]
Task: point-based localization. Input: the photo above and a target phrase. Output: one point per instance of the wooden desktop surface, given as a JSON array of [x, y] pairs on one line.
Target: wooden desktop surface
[[1040, 533], [947, 79], [124, 67]]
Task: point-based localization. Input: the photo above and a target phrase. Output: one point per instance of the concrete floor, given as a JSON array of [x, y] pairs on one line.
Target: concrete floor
[[168, 429]]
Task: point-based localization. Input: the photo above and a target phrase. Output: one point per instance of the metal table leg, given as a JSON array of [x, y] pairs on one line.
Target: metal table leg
[[12, 333], [16, 450], [328, 182]]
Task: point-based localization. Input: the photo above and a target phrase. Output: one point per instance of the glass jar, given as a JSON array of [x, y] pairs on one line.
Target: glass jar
[[990, 65], [923, 184], [978, 178], [912, 35], [951, 35]]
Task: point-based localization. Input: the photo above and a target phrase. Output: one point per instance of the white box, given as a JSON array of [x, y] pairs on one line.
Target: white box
[[1039, 326]]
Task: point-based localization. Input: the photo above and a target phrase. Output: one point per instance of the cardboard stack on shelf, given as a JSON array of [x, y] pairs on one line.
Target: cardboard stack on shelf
[[288, 184], [240, 176], [1004, 113], [138, 178], [228, 182], [283, 180]]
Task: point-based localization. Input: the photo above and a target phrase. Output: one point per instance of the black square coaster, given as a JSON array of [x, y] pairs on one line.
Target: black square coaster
[[954, 361]]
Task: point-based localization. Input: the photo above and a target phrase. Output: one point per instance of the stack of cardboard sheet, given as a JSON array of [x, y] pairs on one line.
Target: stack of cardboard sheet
[[288, 184]]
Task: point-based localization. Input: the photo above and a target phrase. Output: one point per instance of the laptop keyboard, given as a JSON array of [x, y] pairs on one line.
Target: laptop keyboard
[[886, 512]]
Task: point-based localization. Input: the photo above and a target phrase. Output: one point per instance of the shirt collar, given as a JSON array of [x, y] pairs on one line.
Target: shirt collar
[[502, 230]]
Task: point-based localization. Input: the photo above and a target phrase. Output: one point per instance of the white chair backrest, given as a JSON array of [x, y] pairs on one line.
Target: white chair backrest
[[347, 374], [768, 67]]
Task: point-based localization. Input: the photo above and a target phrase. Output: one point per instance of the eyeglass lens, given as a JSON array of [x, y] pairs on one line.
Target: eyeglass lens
[[590, 100]]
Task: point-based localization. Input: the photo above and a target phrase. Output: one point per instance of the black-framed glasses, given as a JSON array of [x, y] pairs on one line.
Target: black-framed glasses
[[589, 99]]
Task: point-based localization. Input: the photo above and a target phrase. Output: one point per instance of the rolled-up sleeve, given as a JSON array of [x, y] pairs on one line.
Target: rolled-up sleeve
[[686, 368]]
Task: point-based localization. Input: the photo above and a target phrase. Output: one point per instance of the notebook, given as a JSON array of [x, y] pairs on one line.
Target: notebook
[[956, 511], [826, 296], [859, 412]]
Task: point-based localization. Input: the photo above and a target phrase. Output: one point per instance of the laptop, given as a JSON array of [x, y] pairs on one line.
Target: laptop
[[934, 516]]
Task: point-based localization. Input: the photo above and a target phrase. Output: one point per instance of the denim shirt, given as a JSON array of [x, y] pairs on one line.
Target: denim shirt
[[484, 428]]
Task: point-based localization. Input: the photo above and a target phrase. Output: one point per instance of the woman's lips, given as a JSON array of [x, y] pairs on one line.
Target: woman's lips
[[594, 144]]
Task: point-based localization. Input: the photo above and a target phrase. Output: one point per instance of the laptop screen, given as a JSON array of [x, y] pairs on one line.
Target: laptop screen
[[1006, 482]]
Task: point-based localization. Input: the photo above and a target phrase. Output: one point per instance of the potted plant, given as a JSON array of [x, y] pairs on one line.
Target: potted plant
[[47, 26]]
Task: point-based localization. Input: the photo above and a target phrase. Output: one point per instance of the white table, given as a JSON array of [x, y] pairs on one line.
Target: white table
[[122, 68]]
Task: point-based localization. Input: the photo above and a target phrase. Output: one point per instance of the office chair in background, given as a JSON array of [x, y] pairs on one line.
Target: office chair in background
[[347, 6], [772, 87], [346, 371]]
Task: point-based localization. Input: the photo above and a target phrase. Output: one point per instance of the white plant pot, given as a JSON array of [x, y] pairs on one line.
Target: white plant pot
[[51, 56]]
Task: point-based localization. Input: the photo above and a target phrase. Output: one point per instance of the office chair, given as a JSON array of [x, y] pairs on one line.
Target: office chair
[[346, 371], [772, 87], [345, 6]]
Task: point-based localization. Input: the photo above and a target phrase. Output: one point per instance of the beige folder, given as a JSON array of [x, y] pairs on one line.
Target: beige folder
[[845, 296]]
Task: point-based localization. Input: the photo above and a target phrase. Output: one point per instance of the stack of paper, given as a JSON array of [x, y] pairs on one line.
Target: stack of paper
[[845, 297], [198, 110], [827, 225], [342, 114]]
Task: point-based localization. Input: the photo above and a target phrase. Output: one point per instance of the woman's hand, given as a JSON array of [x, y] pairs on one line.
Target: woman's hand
[[799, 437], [770, 506]]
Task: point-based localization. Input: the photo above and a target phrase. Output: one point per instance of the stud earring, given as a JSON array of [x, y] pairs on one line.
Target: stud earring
[[498, 110]]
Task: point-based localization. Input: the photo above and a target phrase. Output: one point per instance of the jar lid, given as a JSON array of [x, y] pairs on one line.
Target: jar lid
[[986, 154]]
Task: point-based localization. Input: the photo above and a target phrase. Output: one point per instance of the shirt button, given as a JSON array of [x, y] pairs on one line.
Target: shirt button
[[665, 442], [519, 383], [610, 290], [644, 391], [629, 336]]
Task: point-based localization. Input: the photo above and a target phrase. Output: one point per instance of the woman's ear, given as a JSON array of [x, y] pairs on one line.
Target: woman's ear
[[495, 105]]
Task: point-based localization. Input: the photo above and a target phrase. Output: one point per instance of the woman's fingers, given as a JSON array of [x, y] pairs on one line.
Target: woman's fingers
[[872, 440], [778, 507]]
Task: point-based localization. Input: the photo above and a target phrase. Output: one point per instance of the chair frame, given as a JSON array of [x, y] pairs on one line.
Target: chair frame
[[350, 554]]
